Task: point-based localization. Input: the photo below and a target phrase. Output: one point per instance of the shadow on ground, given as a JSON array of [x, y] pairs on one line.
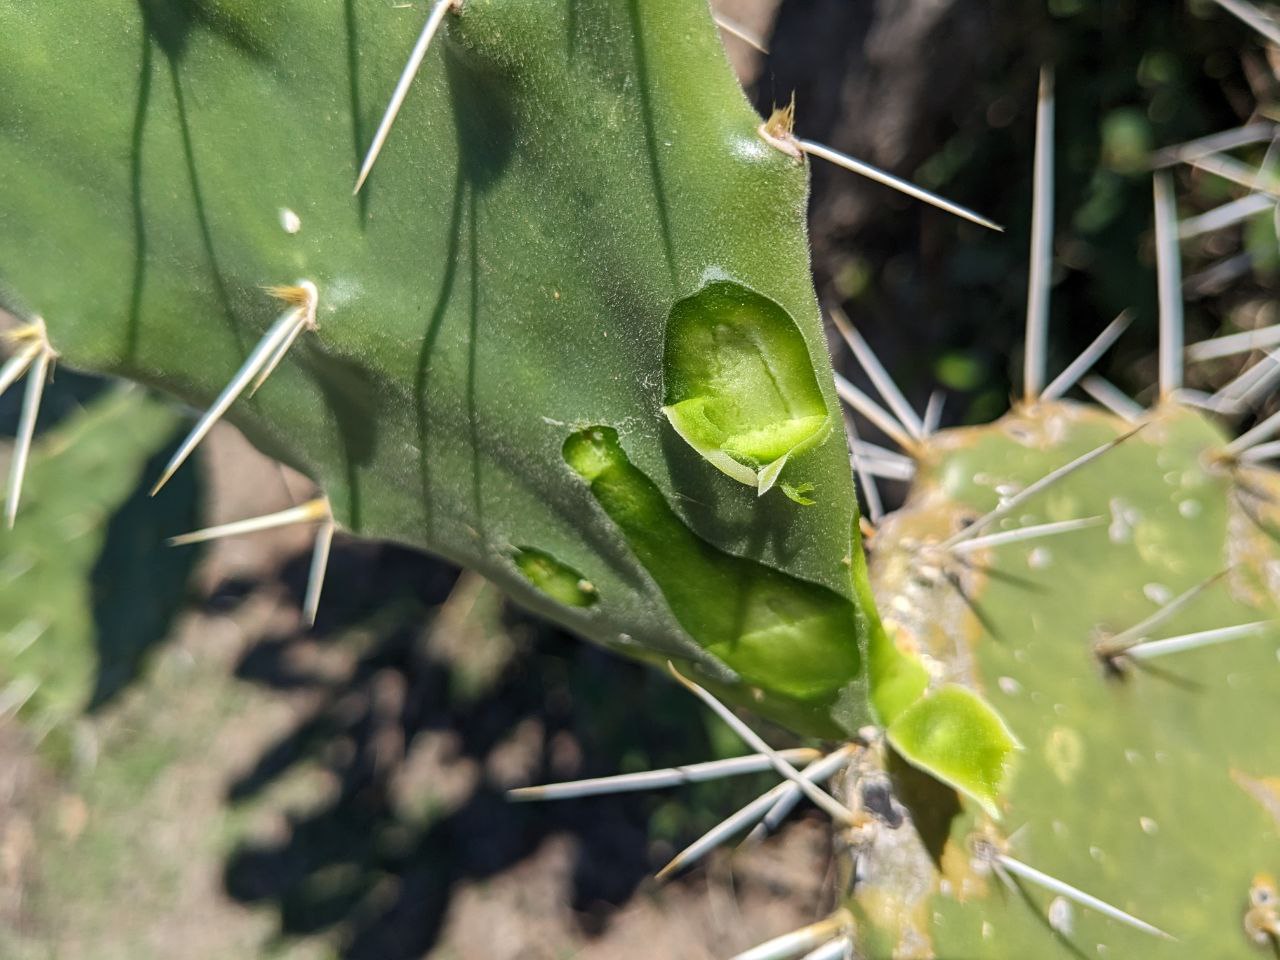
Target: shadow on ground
[[440, 662], [138, 583]]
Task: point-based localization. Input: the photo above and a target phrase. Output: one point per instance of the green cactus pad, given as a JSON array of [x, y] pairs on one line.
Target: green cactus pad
[[572, 190], [1143, 782]]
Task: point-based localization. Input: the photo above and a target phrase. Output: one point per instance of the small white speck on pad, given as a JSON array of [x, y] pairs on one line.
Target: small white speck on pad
[[1060, 916]]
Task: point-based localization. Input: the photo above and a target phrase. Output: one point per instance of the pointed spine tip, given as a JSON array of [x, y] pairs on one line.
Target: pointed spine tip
[[874, 173], [735, 29], [303, 298], [414, 64], [37, 375], [1169, 284], [319, 567], [1040, 278], [309, 512]]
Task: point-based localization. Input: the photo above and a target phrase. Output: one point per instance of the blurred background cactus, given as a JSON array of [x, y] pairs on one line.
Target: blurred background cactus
[[195, 774]]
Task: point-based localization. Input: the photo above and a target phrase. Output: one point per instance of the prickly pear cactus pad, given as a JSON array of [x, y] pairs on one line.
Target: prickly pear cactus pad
[[574, 204], [1149, 774]]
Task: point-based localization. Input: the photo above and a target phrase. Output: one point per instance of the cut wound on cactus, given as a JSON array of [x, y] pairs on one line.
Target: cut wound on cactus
[[959, 738], [799, 493], [790, 638], [557, 580], [951, 733], [740, 387]]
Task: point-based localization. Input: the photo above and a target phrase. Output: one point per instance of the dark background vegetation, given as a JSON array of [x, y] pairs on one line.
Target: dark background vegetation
[[944, 93]]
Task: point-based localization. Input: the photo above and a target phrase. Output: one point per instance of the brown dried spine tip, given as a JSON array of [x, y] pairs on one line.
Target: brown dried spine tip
[[779, 130]]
